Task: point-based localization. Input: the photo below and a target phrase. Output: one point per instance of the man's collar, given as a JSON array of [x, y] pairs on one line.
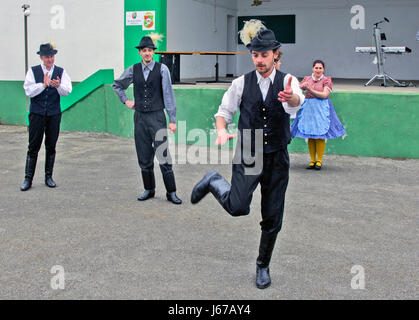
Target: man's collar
[[312, 75], [271, 76], [150, 66], [45, 68]]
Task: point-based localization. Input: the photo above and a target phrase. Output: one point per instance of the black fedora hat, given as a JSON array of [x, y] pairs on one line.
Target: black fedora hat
[[146, 42], [46, 50], [264, 41]]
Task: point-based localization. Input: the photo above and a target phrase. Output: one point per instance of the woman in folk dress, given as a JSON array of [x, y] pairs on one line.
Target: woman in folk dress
[[317, 119]]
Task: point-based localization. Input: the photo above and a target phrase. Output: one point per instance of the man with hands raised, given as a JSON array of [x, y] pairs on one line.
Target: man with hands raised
[[266, 97], [44, 84]]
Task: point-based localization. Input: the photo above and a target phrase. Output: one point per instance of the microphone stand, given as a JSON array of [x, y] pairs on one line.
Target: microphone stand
[[380, 58]]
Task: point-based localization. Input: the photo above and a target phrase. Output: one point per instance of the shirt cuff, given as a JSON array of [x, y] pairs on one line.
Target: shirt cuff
[[227, 117], [37, 89]]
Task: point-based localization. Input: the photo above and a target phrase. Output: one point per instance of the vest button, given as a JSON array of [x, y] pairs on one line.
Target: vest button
[[264, 125], [266, 134]]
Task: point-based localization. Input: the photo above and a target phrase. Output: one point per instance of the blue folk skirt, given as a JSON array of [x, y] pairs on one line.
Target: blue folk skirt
[[317, 119]]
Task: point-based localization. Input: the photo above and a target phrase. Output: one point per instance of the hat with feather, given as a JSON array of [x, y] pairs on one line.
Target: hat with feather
[[47, 49], [150, 41], [256, 37]]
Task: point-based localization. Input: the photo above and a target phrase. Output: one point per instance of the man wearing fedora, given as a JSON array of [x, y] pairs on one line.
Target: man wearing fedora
[[44, 84], [152, 94], [266, 97]]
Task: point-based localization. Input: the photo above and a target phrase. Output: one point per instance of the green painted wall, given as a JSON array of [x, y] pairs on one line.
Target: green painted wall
[[196, 107], [377, 124], [133, 34], [13, 106], [88, 85], [101, 111]]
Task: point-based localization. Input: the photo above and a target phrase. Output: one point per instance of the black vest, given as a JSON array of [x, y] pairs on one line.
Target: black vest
[[148, 94], [268, 115], [48, 101]]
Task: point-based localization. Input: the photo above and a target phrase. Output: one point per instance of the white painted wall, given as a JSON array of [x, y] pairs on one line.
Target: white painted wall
[[93, 35], [92, 38], [199, 25], [323, 31]]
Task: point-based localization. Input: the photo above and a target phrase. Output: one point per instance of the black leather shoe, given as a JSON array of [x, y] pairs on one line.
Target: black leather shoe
[[172, 197], [26, 185], [318, 165], [311, 166], [202, 187], [147, 194], [263, 279], [49, 182]]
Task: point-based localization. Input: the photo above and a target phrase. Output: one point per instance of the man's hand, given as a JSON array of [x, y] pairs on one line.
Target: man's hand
[[223, 137], [286, 94], [55, 83], [130, 104], [172, 127], [47, 80]]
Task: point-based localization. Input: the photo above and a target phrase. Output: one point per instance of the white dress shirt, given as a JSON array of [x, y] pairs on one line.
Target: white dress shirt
[[32, 88], [233, 96]]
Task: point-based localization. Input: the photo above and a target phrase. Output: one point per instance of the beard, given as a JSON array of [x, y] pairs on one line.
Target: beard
[[262, 69], [147, 60]]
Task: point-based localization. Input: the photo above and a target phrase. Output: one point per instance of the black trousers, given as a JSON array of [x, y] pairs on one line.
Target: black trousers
[[273, 180], [40, 125], [150, 134]]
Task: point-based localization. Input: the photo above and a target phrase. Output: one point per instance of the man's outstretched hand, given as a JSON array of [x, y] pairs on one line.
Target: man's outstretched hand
[[223, 137], [286, 94]]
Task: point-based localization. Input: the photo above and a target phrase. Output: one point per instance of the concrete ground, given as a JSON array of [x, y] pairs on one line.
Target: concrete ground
[[356, 217]]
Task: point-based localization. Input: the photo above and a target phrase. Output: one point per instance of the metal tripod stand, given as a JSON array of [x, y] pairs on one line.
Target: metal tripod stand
[[380, 59]]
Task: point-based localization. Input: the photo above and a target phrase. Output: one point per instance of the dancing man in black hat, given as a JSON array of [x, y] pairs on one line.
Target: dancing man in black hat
[[266, 97], [44, 84], [152, 94]]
